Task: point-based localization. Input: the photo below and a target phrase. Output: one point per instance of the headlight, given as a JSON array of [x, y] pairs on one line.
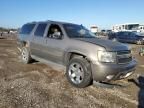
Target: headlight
[[108, 57]]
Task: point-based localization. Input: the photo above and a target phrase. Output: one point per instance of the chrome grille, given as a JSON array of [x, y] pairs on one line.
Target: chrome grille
[[124, 57]]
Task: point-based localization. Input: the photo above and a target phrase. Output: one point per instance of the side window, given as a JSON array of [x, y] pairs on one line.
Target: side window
[[27, 28], [120, 34], [132, 34], [126, 34], [40, 30], [54, 32]]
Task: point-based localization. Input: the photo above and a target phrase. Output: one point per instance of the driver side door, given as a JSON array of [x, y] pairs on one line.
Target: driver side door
[[55, 45]]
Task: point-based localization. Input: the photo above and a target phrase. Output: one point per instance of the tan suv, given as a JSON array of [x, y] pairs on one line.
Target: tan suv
[[86, 57]]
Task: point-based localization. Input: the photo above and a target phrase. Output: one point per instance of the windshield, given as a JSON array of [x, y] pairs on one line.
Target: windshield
[[140, 33], [78, 31], [132, 26]]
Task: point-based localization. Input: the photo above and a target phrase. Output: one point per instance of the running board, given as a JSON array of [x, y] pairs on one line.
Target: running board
[[55, 66]]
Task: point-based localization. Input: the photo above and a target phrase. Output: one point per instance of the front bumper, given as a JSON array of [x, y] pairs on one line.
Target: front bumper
[[108, 72]]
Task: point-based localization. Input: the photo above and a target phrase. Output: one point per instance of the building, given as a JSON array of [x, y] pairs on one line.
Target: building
[[94, 29], [125, 27], [136, 27], [141, 28]]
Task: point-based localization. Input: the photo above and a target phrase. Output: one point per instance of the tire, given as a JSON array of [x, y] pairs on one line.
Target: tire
[[141, 54], [139, 42], [25, 55], [78, 72]]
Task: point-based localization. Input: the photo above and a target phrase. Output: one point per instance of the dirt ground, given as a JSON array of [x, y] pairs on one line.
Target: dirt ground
[[40, 86]]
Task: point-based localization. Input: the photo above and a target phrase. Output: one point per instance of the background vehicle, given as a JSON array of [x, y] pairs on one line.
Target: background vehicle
[[86, 57], [127, 37], [131, 27]]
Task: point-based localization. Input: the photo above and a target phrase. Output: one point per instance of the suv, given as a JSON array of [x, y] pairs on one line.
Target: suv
[[86, 57], [128, 37]]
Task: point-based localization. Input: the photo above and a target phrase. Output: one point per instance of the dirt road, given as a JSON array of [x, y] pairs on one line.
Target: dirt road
[[39, 86]]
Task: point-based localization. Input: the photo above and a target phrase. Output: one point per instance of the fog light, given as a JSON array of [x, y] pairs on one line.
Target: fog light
[[109, 77]]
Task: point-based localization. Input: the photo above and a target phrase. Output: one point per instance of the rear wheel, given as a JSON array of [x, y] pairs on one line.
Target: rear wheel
[[25, 55], [79, 72]]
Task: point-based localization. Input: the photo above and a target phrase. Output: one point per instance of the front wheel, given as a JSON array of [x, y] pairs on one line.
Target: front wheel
[[78, 72], [141, 54], [139, 42]]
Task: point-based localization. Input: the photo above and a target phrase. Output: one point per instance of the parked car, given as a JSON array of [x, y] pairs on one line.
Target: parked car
[[112, 36], [86, 57], [127, 37]]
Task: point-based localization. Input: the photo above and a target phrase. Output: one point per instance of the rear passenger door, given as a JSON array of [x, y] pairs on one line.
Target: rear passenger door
[[39, 42]]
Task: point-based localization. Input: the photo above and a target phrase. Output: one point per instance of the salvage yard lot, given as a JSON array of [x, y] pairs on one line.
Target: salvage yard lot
[[40, 86]]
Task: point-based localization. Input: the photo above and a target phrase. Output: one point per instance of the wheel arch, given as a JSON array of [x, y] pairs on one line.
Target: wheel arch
[[69, 55]]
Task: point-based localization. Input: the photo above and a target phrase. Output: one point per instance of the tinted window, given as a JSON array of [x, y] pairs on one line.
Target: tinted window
[[132, 34], [40, 30], [120, 34], [27, 28], [77, 31], [126, 33], [141, 33]]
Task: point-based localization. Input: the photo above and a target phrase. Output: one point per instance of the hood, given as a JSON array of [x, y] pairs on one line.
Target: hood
[[140, 36], [107, 44]]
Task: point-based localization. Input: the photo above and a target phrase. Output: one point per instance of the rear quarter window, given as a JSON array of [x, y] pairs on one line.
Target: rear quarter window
[[27, 28]]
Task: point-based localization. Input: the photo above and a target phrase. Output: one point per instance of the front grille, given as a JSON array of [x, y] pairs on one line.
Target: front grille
[[124, 60], [124, 52], [124, 57]]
